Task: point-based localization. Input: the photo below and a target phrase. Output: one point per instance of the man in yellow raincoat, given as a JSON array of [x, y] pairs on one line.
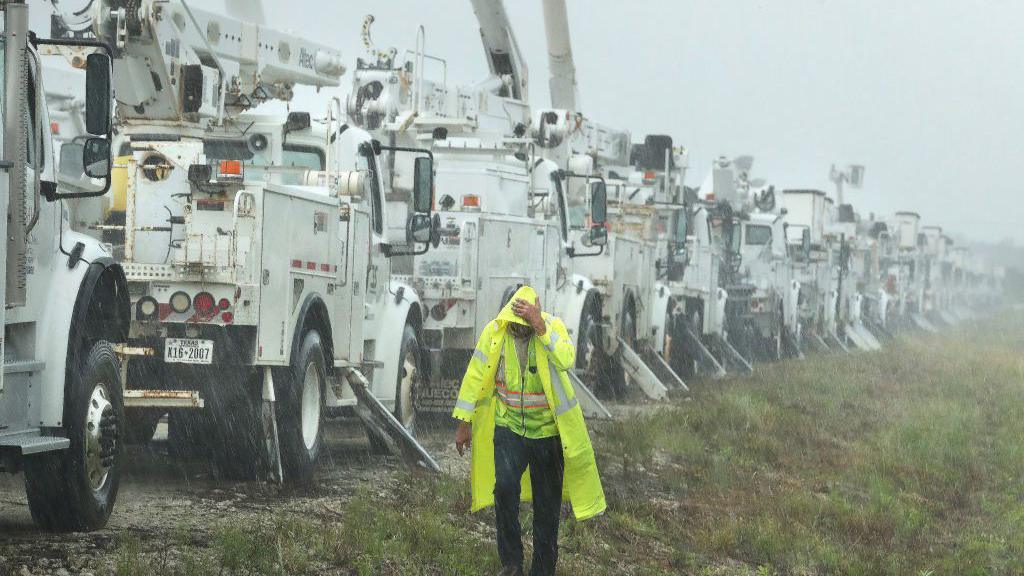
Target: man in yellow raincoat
[[519, 412]]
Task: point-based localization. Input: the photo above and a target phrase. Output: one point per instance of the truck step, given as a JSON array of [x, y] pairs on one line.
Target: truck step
[[33, 443], [637, 370], [162, 399], [591, 406], [23, 366], [125, 350]]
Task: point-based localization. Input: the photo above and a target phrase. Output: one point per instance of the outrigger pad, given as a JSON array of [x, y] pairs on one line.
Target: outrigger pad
[[386, 427], [639, 372], [591, 406]]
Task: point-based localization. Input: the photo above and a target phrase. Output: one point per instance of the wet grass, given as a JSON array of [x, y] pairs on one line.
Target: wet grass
[[905, 461]]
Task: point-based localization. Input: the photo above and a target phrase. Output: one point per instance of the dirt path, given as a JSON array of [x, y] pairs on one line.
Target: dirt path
[[164, 500]]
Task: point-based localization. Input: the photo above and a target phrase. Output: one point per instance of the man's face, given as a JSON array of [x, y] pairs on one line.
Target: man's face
[[519, 330]]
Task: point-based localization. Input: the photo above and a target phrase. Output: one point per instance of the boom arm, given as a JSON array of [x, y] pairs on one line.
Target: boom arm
[[179, 63], [564, 94], [501, 48]]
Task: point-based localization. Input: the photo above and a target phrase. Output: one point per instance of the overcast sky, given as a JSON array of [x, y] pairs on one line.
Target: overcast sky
[[928, 94]]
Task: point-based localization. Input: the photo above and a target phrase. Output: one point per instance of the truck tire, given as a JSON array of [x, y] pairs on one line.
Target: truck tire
[[75, 489], [410, 377], [301, 409], [685, 361], [589, 339], [615, 376]]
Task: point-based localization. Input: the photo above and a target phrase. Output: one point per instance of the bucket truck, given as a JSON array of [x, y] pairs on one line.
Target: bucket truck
[[761, 314], [65, 302], [815, 265], [618, 330], [844, 233], [259, 262], [502, 208], [908, 273]]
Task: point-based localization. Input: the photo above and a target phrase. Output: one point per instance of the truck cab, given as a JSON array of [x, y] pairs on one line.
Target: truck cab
[[65, 303]]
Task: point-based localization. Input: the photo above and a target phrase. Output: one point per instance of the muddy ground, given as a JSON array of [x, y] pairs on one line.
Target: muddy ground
[[161, 498]]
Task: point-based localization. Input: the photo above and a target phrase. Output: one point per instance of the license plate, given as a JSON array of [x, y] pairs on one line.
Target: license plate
[[188, 351]]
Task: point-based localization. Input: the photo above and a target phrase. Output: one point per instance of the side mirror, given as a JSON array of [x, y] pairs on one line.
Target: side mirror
[[599, 203], [598, 235], [423, 186], [97, 94], [419, 229], [96, 158], [805, 242], [72, 155]]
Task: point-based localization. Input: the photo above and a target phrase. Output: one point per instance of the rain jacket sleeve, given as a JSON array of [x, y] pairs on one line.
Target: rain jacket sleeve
[[561, 351], [472, 382]]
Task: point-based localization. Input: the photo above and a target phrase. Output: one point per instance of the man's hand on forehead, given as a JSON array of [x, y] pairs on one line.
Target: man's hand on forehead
[[531, 313]]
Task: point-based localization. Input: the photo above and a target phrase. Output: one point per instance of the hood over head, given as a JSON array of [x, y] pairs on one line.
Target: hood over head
[[507, 315]]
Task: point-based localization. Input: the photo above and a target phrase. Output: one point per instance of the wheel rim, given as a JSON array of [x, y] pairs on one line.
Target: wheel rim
[[407, 387], [310, 406], [589, 353], [629, 328], [99, 437]]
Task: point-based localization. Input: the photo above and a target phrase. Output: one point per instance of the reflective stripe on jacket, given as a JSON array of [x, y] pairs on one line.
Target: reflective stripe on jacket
[[476, 404], [522, 405]]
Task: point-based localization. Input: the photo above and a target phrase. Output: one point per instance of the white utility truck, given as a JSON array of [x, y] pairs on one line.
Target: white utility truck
[[761, 317], [65, 302], [259, 262], [614, 271], [502, 209], [807, 217]]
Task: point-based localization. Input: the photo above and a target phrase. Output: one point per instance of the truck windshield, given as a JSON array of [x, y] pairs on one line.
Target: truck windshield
[[576, 198], [758, 235], [680, 228]]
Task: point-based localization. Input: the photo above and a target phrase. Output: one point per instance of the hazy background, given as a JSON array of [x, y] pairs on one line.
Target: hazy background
[[928, 94]]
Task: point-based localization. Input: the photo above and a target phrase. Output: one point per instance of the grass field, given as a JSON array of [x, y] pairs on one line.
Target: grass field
[[907, 461]]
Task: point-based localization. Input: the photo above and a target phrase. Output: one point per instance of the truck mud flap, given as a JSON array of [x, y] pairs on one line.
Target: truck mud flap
[[922, 323], [664, 372], [386, 427], [636, 369], [591, 406], [707, 359]]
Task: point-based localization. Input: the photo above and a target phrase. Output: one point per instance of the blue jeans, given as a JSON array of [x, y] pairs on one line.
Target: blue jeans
[[512, 455]]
